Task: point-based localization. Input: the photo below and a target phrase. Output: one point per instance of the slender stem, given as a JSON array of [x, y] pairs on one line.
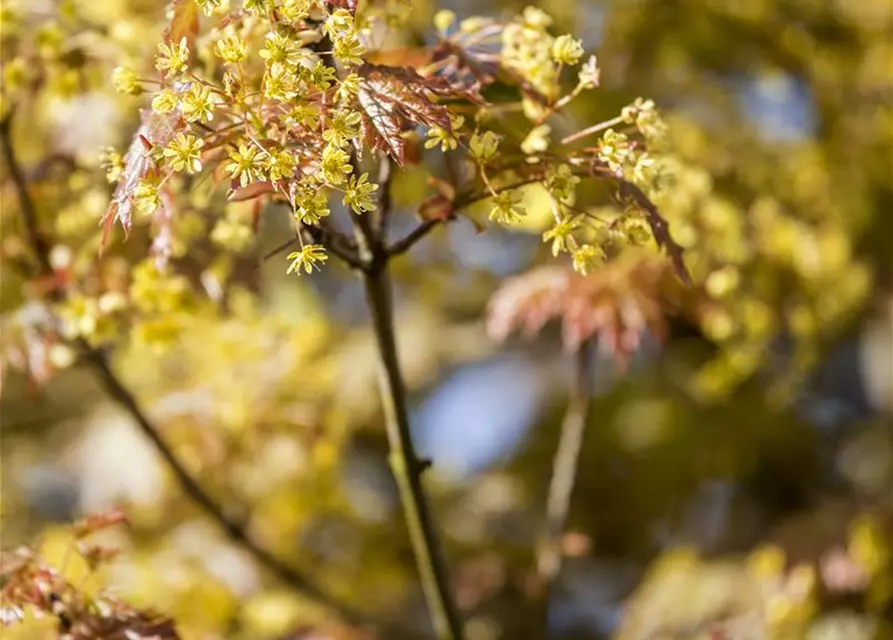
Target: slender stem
[[588, 131], [123, 397], [406, 465], [564, 472], [26, 204], [409, 240]]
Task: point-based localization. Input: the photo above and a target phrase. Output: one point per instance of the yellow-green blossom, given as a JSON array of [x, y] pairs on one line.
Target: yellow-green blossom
[[311, 257], [358, 193], [537, 140], [335, 164], [483, 146], [507, 207], [184, 153], [172, 58], [231, 49], [587, 257], [567, 50], [245, 165], [126, 81], [561, 235], [165, 101], [145, 197], [279, 165], [197, 104]]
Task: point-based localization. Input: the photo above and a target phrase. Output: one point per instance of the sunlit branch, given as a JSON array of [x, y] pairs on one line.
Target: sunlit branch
[[588, 131]]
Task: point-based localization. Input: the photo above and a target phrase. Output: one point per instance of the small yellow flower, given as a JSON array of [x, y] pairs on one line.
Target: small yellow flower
[[536, 18], [198, 104], [483, 146], [126, 81], [209, 6], [586, 258], [184, 152], [561, 235], [443, 20], [145, 197], [537, 140], [279, 165], [348, 87], [343, 127], [358, 194], [590, 74], [172, 58], [445, 138], [245, 166], [335, 164], [349, 50], [567, 50], [165, 101], [311, 205], [304, 114], [507, 207], [113, 164], [279, 48], [280, 83], [311, 257], [231, 49]]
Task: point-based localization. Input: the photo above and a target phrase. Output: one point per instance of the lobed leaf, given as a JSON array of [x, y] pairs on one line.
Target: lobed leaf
[[184, 22], [393, 100], [155, 130]]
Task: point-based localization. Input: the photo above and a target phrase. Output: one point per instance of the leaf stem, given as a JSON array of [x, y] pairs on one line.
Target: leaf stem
[[601, 126]]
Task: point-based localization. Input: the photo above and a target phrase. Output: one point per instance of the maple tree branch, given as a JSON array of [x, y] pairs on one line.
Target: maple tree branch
[[406, 465], [385, 197], [26, 204], [124, 398], [564, 473], [368, 238], [336, 243], [406, 243]]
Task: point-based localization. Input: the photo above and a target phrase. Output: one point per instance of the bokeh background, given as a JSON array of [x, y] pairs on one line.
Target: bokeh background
[[736, 477]]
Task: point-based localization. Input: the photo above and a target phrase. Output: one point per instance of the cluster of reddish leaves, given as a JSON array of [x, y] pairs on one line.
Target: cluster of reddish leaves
[[392, 99], [617, 305], [30, 585]]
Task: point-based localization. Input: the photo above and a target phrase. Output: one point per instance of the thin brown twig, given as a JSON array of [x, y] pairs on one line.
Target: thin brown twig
[[406, 243], [336, 243], [564, 473], [123, 397], [29, 212]]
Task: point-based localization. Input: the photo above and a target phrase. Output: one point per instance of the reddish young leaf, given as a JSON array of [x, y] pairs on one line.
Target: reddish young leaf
[[392, 100], [155, 130], [617, 304], [98, 521], [184, 22], [249, 191]]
